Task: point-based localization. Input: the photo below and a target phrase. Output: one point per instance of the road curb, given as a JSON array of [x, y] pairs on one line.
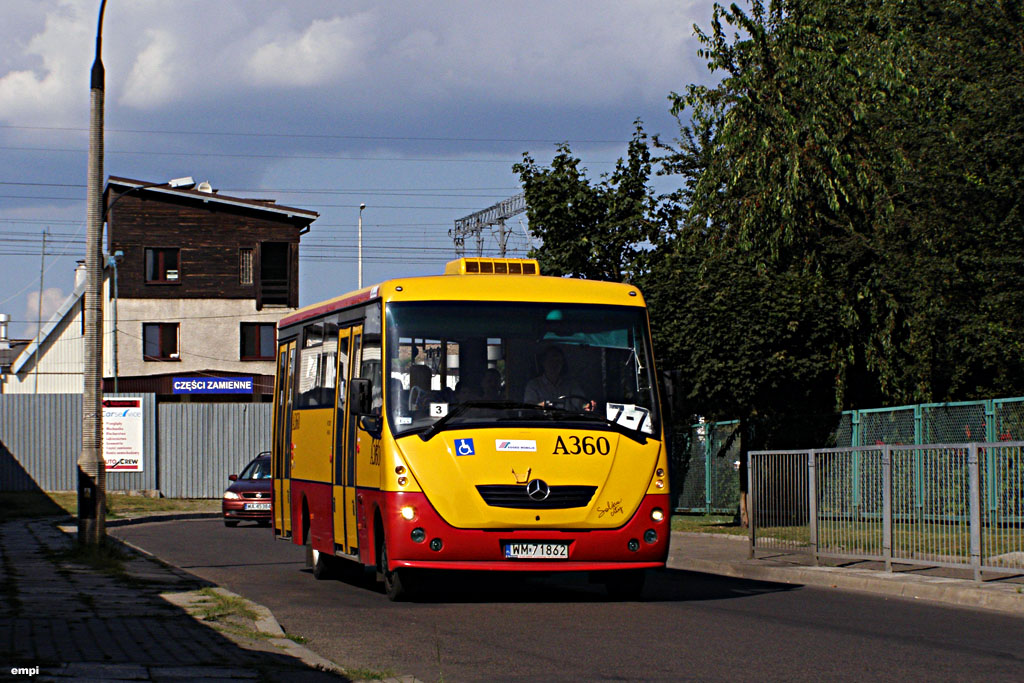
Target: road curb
[[949, 591], [161, 517]]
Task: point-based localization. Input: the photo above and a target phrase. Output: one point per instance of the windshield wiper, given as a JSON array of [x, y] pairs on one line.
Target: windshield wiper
[[442, 424]]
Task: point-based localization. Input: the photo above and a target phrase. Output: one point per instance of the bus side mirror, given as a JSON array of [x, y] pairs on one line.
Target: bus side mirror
[[360, 397], [371, 424]]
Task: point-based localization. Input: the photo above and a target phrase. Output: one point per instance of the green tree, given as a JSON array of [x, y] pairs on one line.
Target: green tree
[[833, 149], [591, 230]]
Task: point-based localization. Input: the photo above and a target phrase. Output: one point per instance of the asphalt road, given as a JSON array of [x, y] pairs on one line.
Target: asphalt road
[[688, 626]]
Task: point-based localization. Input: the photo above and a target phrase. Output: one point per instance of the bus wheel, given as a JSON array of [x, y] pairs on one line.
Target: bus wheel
[[625, 584], [396, 582], [323, 565]]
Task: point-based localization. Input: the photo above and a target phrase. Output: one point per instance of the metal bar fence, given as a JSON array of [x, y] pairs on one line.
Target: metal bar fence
[[948, 505], [188, 449]]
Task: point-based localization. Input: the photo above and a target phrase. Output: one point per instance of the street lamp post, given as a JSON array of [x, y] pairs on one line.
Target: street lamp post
[[359, 283]]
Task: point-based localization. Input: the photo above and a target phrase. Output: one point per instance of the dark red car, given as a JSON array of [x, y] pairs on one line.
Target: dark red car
[[248, 497]]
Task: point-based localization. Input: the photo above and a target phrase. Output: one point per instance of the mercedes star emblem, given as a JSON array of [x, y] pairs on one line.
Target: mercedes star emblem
[[538, 489]]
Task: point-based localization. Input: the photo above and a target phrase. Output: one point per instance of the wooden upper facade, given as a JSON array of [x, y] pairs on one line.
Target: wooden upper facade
[[190, 244]]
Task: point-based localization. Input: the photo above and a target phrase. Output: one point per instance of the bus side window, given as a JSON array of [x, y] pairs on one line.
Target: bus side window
[[371, 368]]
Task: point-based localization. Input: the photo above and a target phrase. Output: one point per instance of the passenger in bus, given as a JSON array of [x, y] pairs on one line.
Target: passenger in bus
[[487, 389], [554, 382], [466, 391], [490, 385], [419, 387]]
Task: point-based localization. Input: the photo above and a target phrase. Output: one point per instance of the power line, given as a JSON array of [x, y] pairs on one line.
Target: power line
[[401, 192], [318, 136], [322, 157]]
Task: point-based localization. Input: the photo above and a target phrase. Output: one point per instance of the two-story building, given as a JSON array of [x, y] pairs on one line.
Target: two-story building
[[194, 285]]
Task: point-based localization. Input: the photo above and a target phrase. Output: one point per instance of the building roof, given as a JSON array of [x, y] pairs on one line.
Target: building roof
[[7, 355], [267, 205], [50, 326]]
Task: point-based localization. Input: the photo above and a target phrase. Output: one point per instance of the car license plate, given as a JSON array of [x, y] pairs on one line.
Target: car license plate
[[257, 506], [537, 551]]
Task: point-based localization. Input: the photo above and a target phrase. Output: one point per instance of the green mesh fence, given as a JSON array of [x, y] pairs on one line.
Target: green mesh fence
[[709, 481], [953, 423], [1008, 419], [892, 426], [706, 477]]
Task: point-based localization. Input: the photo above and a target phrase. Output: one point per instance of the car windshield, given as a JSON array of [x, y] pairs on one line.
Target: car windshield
[[478, 363], [257, 469]]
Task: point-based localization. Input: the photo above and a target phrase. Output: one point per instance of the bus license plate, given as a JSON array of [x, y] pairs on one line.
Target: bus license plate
[[537, 551], [257, 506]]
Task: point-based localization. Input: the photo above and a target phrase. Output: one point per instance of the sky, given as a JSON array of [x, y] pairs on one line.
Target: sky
[[419, 110]]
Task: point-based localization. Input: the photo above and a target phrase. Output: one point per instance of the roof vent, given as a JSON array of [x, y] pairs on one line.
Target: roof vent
[[492, 266], [205, 186]]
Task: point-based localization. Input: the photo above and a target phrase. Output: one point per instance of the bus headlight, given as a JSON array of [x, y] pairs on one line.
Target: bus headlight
[[408, 512], [659, 484], [402, 481], [657, 515], [418, 535], [651, 536]]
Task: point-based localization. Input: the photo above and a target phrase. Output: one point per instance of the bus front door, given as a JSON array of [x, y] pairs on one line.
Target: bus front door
[[281, 465], [343, 492]]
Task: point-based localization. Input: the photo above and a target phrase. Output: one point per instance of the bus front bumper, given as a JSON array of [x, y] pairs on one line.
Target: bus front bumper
[[642, 542]]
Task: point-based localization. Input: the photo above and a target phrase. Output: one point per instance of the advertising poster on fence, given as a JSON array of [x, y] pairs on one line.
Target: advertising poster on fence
[[122, 434]]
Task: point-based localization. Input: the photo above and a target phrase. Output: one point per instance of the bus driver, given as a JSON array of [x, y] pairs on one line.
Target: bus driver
[[553, 382]]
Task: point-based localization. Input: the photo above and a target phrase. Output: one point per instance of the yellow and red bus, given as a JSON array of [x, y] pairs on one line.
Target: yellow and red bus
[[489, 418]]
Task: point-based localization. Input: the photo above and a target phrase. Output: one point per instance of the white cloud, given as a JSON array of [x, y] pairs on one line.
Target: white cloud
[[213, 55], [327, 50], [53, 297], [43, 95], [151, 82]]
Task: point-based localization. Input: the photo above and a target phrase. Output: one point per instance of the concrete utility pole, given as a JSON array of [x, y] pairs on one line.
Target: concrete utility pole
[[39, 312], [92, 472]]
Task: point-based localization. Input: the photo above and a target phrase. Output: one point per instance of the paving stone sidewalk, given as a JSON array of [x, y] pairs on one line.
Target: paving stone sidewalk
[[65, 621]]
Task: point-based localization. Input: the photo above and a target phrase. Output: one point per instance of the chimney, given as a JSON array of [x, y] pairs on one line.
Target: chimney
[[79, 273], [5, 342]]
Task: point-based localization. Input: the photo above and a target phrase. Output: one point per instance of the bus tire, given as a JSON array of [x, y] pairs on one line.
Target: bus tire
[[323, 565], [625, 584], [397, 582]]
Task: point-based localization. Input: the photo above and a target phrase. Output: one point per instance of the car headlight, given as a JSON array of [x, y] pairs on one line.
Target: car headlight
[[231, 495]]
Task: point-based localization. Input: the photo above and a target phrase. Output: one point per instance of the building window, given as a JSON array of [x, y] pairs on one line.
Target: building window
[[162, 265], [245, 266], [257, 341], [160, 341]]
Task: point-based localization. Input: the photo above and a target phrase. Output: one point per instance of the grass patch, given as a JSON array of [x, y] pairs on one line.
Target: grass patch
[[369, 674], [708, 524], [218, 607], [24, 504], [107, 557], [20, 505]]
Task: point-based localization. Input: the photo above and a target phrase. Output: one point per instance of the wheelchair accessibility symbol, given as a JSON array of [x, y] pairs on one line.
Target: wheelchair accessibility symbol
[[464, 447]]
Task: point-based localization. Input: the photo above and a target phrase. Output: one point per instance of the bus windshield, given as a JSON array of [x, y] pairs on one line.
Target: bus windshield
[[456, 364]]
